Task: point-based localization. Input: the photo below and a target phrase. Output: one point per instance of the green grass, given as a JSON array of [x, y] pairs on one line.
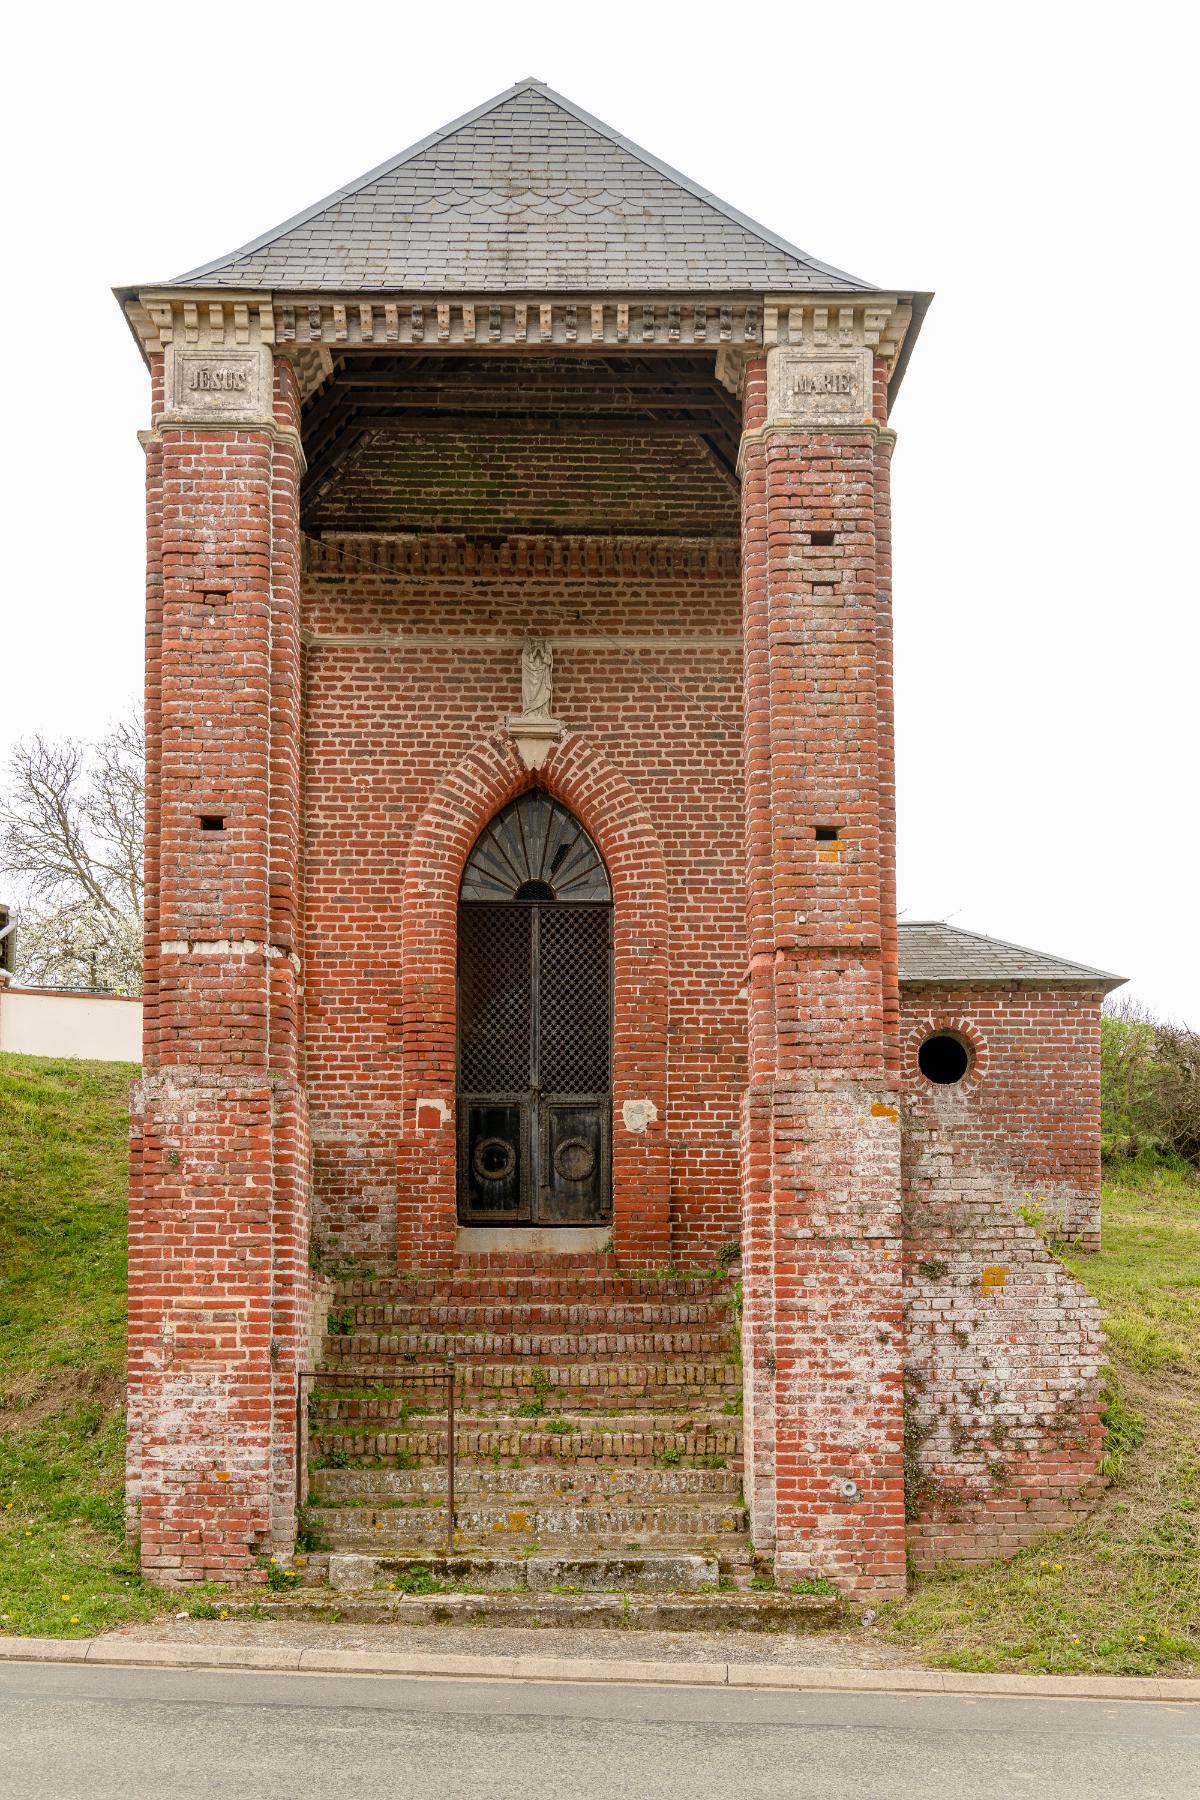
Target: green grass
[[1118, 1593], [65, 1569]]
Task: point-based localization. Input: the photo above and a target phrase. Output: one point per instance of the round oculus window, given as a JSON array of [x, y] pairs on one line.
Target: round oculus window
[[943, 1059]]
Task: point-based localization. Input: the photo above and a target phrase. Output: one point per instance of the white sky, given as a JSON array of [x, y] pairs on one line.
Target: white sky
[[1032, 164]]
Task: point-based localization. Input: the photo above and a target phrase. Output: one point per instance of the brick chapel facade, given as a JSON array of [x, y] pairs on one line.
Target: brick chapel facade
[[521, 873]]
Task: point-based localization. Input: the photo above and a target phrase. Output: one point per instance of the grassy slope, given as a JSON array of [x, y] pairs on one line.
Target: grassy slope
[[1117, 1592], [64, 1566]]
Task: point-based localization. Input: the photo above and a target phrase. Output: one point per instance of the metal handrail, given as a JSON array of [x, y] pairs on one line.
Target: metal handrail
[[449, 1452]]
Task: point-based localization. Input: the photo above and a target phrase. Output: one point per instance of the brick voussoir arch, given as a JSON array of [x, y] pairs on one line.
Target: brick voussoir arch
[[600, 796], [953, 1023]]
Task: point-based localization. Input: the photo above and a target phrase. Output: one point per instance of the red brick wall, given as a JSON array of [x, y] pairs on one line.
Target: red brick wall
[[1004, 1346], [412, 665], [1029, 1109], [519, 478], [822, 1152], [218, 1221]]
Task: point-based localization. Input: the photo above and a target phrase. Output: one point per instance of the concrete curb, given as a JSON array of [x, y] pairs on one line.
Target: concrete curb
[[112, 1651]]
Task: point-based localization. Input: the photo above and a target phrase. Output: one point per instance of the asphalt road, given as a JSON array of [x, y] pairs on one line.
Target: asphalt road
[[143, 1733]]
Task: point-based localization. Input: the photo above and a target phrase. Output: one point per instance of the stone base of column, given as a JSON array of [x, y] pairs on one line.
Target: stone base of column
[[823, 1279], [218, 1320]]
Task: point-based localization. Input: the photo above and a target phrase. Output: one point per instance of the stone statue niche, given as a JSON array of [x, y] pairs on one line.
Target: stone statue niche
[[534, 729]]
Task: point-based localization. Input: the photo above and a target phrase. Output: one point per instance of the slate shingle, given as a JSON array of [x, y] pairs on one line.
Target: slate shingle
[[527, 192], [933, 951]]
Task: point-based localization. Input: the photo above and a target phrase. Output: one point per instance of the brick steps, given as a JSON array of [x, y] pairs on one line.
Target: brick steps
[[549, 1286], [582, 1395], [634, 1441], [369, 1347], [573, 1387], [533, 1316]]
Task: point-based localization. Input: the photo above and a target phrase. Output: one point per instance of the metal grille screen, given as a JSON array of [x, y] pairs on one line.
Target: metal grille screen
[[495, 998], [574, 1036]]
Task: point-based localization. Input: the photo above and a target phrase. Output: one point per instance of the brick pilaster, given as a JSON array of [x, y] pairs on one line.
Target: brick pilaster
[[218, 1208], [821, 1237]]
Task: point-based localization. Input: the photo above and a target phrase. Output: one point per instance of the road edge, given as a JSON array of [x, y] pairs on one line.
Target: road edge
[[115, 1652]]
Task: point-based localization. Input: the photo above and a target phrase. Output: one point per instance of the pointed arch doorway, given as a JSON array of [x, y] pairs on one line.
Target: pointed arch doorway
[[535, 1014]]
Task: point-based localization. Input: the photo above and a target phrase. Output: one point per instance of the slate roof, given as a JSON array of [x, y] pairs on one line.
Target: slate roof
[[527, 191], [933, 951]]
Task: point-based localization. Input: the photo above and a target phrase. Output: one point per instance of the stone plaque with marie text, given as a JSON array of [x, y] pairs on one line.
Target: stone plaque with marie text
[[820, 388]]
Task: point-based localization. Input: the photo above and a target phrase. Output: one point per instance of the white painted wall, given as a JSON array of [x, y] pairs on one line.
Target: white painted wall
[[48, 1022]]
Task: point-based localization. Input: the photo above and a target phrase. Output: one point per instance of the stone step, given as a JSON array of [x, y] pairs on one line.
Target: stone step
[[360, 1432], [574, 1387], [604, 1524], [579, 1482], [726, 1611], [650, 1571], [562, 1286], [523, 1318], [378, 1348]]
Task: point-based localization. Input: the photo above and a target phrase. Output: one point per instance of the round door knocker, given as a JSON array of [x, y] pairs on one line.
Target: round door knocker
[[493, 1159], [574, 1159]]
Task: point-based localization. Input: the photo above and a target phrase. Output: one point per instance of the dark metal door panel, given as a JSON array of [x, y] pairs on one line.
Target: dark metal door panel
[[494, 1162], [495, 999], [574, 999], [573, 1044], [574, 1162], [535, 1029]]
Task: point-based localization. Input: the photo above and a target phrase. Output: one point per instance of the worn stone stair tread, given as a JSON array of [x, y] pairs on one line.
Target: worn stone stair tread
[[735, 1609], [372, 1486], [671, 1571], [690, 1516], [732, 1550]]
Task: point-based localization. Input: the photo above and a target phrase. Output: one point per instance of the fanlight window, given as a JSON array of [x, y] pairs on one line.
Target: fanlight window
[[534, 849]]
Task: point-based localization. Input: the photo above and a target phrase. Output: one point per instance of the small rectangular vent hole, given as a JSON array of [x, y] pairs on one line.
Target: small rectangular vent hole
[[821, 540], [827, 834], [212, 821]]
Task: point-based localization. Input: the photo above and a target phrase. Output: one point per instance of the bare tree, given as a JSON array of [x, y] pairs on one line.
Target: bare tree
[[71, 840]]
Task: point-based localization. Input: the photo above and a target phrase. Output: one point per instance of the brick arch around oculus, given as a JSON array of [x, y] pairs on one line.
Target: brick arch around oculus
[[579, 775]]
